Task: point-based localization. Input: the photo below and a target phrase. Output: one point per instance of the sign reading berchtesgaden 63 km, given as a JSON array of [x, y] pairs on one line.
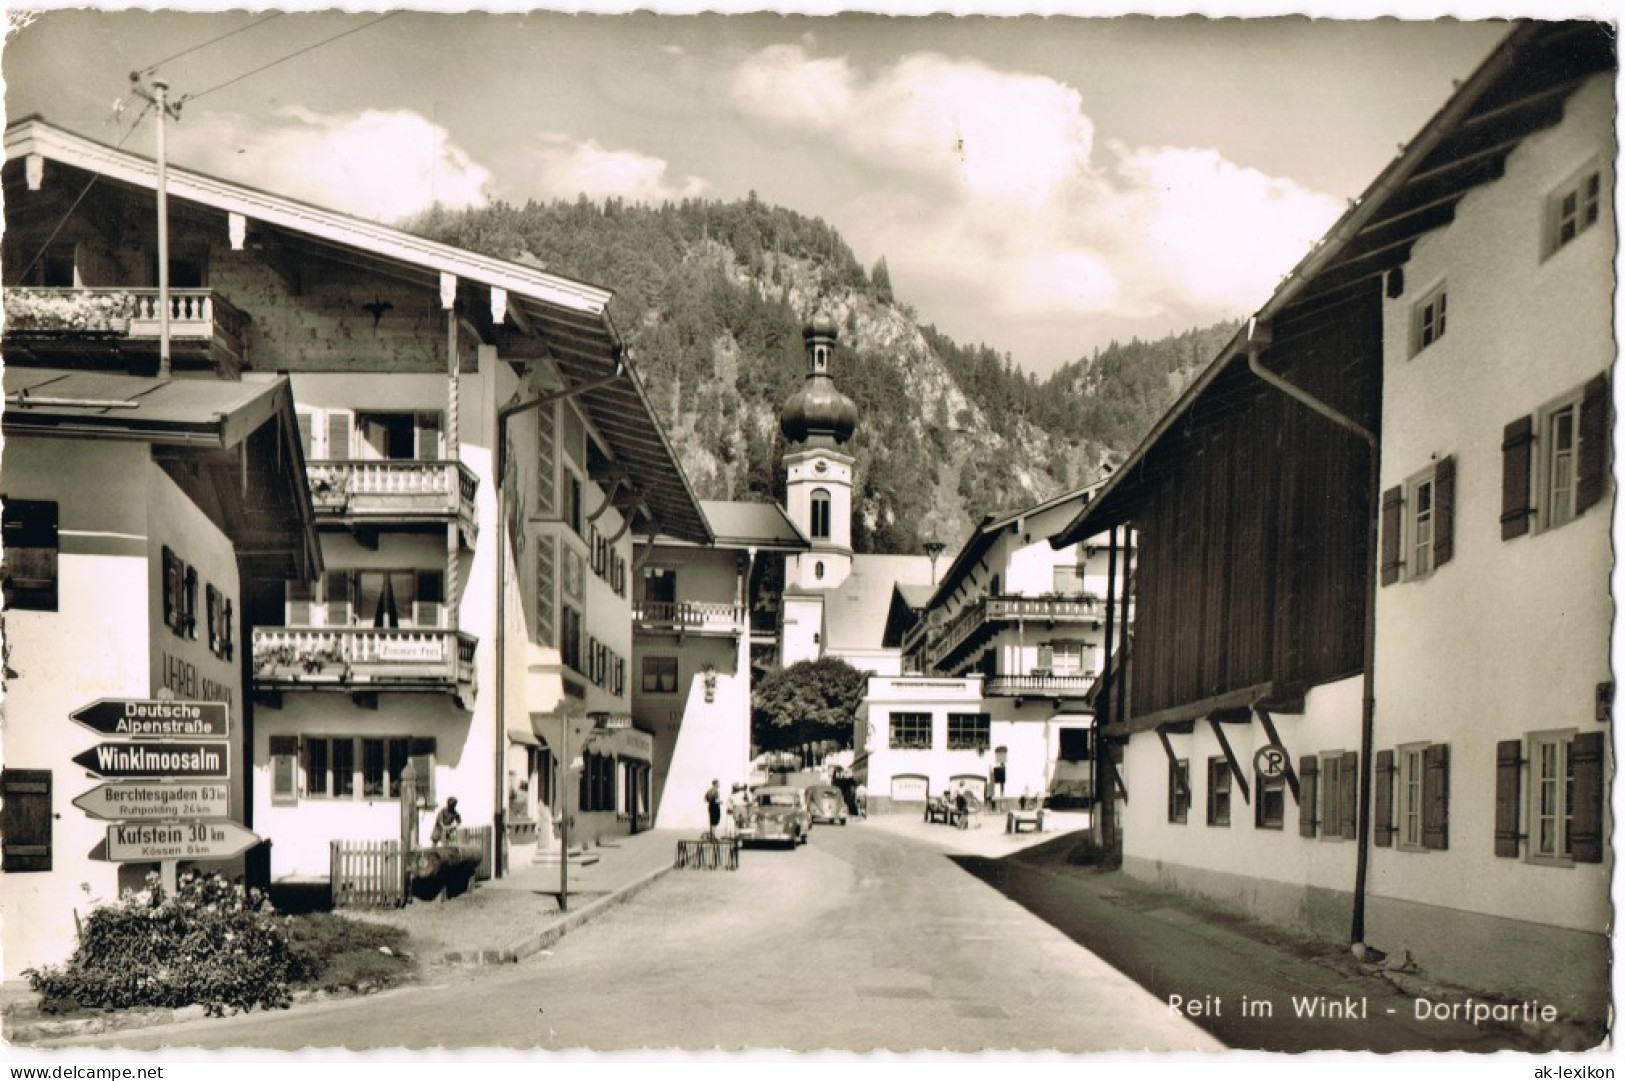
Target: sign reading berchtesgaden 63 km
[[146, 801]]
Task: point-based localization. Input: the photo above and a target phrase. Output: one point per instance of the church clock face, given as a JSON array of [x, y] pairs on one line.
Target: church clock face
[[821, 466]]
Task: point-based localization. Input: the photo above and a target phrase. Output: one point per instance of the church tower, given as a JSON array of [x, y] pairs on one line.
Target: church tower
[[817, 420]]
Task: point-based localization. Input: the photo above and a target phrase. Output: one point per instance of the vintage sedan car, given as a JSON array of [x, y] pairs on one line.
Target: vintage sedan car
[[825, 803], [778, 813]]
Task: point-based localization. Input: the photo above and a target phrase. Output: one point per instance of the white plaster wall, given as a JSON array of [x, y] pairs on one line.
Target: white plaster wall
[[802, 621], [1512, 636], [708, 747], [801, 479], [1331, 722], [114, 508]]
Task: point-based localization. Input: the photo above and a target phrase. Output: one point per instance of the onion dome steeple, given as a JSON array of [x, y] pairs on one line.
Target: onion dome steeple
[[818, 413]]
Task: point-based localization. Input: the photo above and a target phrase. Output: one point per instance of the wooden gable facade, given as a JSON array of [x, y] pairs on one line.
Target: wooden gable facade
[[1253, 527]]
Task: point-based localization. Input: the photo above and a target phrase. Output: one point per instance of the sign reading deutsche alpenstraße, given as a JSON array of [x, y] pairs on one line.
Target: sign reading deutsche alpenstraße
[[137, 718], [148, 801], [146, 841], [170, 760]]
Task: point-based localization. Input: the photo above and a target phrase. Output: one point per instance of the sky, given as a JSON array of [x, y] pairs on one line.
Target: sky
[[1040, 185]]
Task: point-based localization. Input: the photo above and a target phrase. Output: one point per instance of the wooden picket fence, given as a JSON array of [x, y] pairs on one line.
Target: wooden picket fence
[[367, 874]]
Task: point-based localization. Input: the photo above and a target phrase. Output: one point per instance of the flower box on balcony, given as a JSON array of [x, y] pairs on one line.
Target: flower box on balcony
[[68, 311]]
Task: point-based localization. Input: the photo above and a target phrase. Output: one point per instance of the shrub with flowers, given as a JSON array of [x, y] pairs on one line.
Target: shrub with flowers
[[211, 944], [76, 310]]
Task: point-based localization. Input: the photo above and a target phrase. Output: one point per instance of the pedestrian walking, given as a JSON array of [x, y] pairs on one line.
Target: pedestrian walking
[[862, 795], [713, 808]]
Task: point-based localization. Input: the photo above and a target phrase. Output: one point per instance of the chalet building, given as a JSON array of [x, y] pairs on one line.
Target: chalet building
[[463, 422], [137, 510], [700, 628], [998, 662], [1370, 686]]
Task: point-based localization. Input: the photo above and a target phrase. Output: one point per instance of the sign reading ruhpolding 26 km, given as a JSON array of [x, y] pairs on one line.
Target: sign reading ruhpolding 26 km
[[168, 760]]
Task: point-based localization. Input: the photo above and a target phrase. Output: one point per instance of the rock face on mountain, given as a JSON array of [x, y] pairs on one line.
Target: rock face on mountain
[[712, 298]]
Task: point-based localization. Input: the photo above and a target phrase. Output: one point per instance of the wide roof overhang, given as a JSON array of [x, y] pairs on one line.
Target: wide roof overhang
[[545, 317], [1519, 90]]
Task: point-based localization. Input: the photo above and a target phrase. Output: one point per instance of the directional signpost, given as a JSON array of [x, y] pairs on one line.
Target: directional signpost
[[140, 842], [131, 718], [169, 793], [170, 761], [150, 801]]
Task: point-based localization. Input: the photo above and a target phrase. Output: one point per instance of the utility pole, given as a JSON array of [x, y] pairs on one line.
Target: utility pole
[[159, 96]]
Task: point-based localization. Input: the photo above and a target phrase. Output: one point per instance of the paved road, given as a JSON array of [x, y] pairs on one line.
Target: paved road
[[861, 940]]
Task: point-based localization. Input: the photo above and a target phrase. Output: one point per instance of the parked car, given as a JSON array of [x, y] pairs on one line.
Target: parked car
[[826, 803], [779, 813]]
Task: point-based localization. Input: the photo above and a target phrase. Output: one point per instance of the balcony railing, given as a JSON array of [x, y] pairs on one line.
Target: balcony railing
[[1039, 685], [395, 488], [690, 616], [86, 316], [992, 611], [363, 658]]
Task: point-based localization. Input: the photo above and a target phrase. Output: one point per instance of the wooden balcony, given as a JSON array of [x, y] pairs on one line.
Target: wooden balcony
[[358, 659], [1040, 685], [979, 621], [380, 491], [690, 617], [205, 330]]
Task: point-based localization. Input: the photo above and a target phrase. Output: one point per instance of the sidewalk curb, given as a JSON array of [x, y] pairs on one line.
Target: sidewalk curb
[[34, 1031], [543, 939]]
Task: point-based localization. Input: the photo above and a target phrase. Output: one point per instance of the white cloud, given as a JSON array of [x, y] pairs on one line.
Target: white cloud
[[557, 166], [1008, 204], [379, 164]]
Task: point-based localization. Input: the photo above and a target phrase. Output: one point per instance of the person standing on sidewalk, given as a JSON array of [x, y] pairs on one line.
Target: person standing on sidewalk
[[713, 808]]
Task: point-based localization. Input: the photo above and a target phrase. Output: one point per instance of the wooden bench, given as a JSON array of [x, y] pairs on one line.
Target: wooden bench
[[709, 855], [1016, 821]]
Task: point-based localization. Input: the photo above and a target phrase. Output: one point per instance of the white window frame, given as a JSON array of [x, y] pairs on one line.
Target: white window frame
[[1587, 188], [1550, 798], [1429, 318], [1410, 770], [1557, 468], [821, 514], [1421, 505]]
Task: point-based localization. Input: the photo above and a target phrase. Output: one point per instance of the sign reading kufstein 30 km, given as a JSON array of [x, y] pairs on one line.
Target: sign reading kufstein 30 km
[[135, 718], [139, 842]]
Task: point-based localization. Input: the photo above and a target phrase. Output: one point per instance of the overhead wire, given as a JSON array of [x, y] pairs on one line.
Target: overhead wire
[[282, 60], [212, 41], [191, 97]]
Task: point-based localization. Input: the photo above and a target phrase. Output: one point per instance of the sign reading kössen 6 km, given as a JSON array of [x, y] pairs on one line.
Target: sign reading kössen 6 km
[[160, 779]]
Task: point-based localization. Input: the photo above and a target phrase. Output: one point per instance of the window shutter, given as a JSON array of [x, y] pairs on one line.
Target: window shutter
[[1393, 503], [1444, 511], [1594, 440], [1517, 446], [1587, 759], [1436, 796], [428, 425], [1383, 807], [339, 423], [284, 777], [169, 587], [307, 431], [25, 820], [1308, 794], [1349, 793], [1508, 773]]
